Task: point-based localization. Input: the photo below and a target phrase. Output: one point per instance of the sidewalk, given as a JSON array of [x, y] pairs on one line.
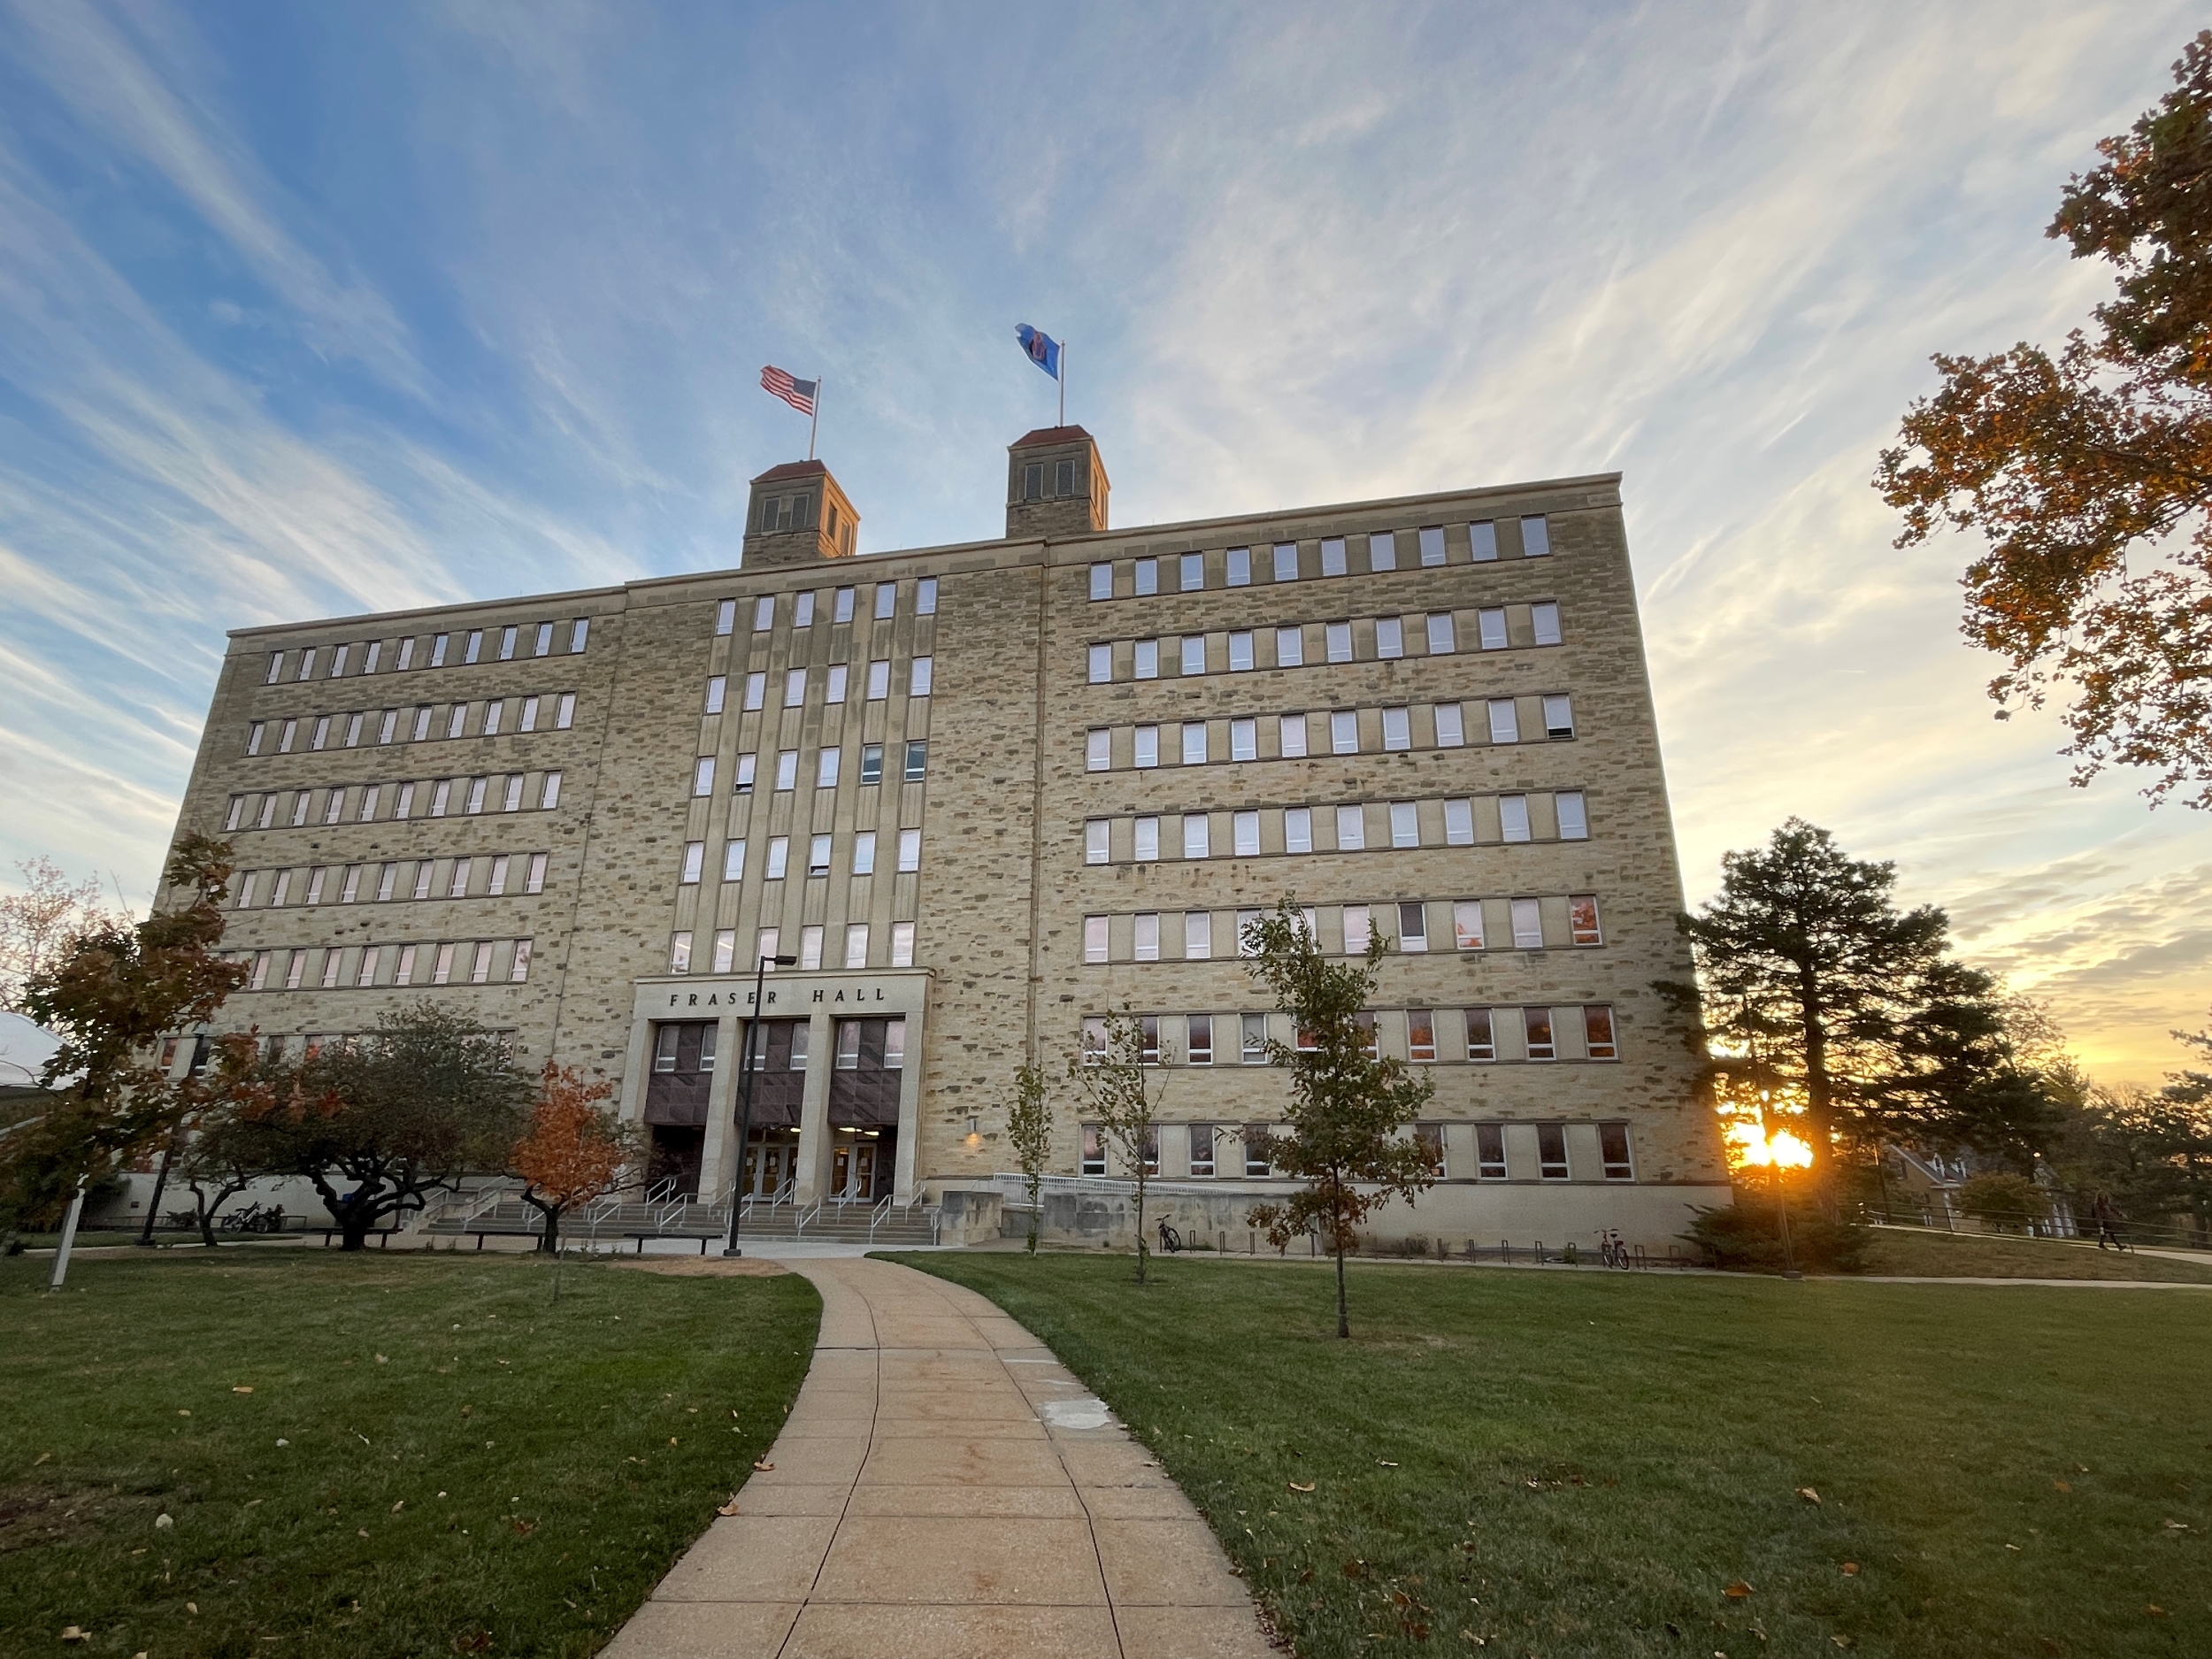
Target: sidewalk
[[945, 1489]]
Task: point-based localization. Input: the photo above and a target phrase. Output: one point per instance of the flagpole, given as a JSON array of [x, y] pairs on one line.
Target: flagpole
[[814, 418], [1064, 382]]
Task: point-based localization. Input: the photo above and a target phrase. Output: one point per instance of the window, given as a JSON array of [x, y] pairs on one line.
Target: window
[[518, 970], [923, 672], [1240, 653], [1286, 561], [1144, 658], [1102, 582], [764, 613], [1483, 537], [1528, 925], [534, 882], [375, 649], [457, 722], [679, 953], [1459, 822], [1239, 563], [833, 687], [865, 853], [1293, 736], [1505, 725], [1344, 732], [1098, 749], [1390, 638], [826, 763], [1196, 838], [1574, 823], [1145, 936], [886, 601], [1094, 1149], [1421, 1036], [321, 740], [734, 860], [703, 775], [423, 871], [817, 855], [1194, 654], [788, 769], [1582, 919], [917, 759], [438, 797], [335, 808], [1194, 742], [724, 619], [1551, 1151], [765, 944], [1244, 828], [1252, 1039], [1102, 665], [276, 668], [1513, 817], [1147, 840], [857, 945], [924, 596], [778, 858], [237, 812], [1146, 745], [1148, 574], [1559, 718], [422, 722], [747, 767], [1198, 936], [475, 646], [1544, 619], [307, 663], [793, 688], [1095, 831], [391, 719], [725, 955], [564, 713], [1033, 482], [1359, 929], [1191, 571], [872, 763], [1298, 829], [842, 607], [506, 645], [1290, 648], [1467, 924], [1535, 537], [878, 681], [809, 948], [1201, 1135], [1244, 740], [1254, 1151], [1333, 556], [1429, 1139], [910, 851], [1397, 729], [291, 731], [1433, 544], [901, 944], [1095, 938], [1382, 551], [1338, 638], [756, 690], [406, 655], [1149, 1054], [1351, 829], [717, 688], [438, 649], [1597, 1033], [1490, 1152], [694, 858], [1413, 926]]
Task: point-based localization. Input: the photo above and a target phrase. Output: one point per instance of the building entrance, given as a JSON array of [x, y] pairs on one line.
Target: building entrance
[[861, 1164], [771, 1162]]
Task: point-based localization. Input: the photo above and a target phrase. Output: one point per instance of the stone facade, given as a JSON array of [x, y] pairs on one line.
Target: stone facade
[[1043, 783]]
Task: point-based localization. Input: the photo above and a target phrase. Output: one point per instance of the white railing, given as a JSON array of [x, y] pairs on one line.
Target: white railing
[[805, 1218], [877, 1218]]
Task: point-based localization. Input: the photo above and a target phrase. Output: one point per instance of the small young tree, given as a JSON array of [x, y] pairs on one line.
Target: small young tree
[[1116, 1073], [1029, 1127], [1349, 1105], [574, 1152]]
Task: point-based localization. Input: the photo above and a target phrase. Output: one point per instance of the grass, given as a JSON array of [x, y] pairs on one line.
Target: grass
[[1909, 1250], [1556, 1463], [369, 1455]]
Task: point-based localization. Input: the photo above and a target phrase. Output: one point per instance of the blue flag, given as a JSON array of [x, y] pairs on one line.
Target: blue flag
[[1043, 349]]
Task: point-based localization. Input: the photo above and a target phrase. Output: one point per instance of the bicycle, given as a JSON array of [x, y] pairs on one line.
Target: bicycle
[[1171, 1240], [1611, 1251]]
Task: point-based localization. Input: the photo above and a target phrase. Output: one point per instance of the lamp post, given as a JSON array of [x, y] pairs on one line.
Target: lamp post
[[1781, 1199], [745, 1096]]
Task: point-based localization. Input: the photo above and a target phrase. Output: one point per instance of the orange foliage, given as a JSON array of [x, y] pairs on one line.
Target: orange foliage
[[575, 1151]]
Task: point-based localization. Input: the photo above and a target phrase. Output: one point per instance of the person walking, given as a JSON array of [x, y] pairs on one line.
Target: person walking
[[2108, 1223]]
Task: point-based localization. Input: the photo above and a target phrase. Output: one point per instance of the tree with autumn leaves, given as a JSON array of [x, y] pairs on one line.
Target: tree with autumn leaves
[[2088, 470], [574, 1152]]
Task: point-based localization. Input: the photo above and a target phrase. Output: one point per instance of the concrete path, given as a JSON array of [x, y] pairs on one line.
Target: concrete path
[[946, 1489]]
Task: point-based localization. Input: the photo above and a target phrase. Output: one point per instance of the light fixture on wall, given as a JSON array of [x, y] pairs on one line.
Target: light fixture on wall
[[975, 1131]]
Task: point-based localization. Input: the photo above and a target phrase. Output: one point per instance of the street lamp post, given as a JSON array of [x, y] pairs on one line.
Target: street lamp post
[[745, 1096], [1781, 1198]]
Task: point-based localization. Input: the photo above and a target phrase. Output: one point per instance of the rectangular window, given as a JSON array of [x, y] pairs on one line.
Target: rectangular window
[[1413, 927], [1433, 544], [878, 681], [507, 636], [1490, 1152], [718, 688], [423, 871], [779, 857], [1241, 652], [788, 769], [1482, 1043], [1194, 742], [1513, 817], [1101, 664], [528, 721], [923, 672], [857, 944], [1293, 736], [1198, 935], [910, 851], [1559, 718], [353, 731], [725, 960], [1196, 840], [765, 945], [1505, 724], [842, 610], [535, 881], [1535, 537], [438, 649], [756, 690], [1146, 742], [1145, 936], [334, 807], [1096, 832], [1255, 1162], [1492, 626], [1344, 732], [1551, 1151], [1359, 929], [734, 860], [542, 647], [1421, 1036], [403, 807], [1194, 654], [747, 766], [422, 722], [1429, 1139], [1095, 936], [827, 763], [1351, 829], [1483, 537], [475, 647], [901, 944], [1528, 925], [1574, 823], [1597, 1033], [1333, 556], [1102, 582], [810, 950], [802, 609], [1148, 573], [724, 619], [1286, 561], [1144, 658], [817, 855], [917, 759], [237, 813], [290, 734], [480, 970], [1244, 740], [865, 853], [703, 775], [793, 688], [1094, 1149], [1244, 831], [764, 613], [1290, 648], [1390, 638], [457, 721], [564, 711], [1298, 829], [1382, 551], [404, 973], [371, 959], [1544, 619], [1252, 1039], [1397, 729], [1459, 822], [924, 596], [1239, 561], [886, 601], [438, 797], [1338, 636], [1147, 838], [1191, 571], [1467, 924], [1582, 919], [694, 860], [352, 888], [307, 663], [321, 740], [872, 763], [275, 673], [443, 973], [1405, 824], [1201, 1135]]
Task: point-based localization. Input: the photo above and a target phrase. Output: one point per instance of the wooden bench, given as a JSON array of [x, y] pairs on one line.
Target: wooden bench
[[383, 1234]]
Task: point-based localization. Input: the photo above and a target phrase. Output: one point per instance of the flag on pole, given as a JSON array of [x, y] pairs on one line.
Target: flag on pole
[[798, 394], [1043, 349]]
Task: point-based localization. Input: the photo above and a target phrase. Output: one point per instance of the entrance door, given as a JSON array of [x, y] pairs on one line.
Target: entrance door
[[853, 1171], [769, 1161]]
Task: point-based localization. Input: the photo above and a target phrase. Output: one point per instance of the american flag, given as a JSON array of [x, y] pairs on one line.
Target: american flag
[[798, 394]]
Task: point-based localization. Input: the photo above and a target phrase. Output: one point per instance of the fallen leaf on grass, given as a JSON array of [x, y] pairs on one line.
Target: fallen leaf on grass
[[1385, 1463], [2177, 1527], [1301, 1486], [1737, 1591], [362, 1532], [671, 1440], [163, 1523], [1808, 1494], [1469, 1636], [525, 1528], [381, 1360], [1842, 1641], [1355, 1570], [475, 1643], [1850, 1569], [2155, 1610], [396, 1508], [728, 1509], [41, 1457], [763, 1465], [242, 1388], [70, 1632], [2064, 1486]]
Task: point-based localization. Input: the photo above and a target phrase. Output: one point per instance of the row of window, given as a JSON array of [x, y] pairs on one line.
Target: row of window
[[442, 961], [668, 1042], [1300, 645], [554, 710], [828, 769], [860, 857], [1457, 1151], [1560, 921], [1302, 733], [476, 645], [836, 683], [366, 802], [860, 946], [1356, 826], [839, 605], [1430, 545], [1420, 1036], [485, 877]]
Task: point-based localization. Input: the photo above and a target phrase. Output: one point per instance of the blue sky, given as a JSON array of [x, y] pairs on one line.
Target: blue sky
[[308, 310]]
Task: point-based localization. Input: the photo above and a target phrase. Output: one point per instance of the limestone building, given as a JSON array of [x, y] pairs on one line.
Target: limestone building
[[984, 792]]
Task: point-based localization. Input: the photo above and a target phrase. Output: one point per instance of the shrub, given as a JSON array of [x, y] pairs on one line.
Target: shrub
[[1747, 1236], [2004, 1201]]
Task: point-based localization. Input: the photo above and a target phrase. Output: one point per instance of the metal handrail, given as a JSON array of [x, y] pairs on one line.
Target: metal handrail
[[811, 1213], [877, 1218], [661, 1191]]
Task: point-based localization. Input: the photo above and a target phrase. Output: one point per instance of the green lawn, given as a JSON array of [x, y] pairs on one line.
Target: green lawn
[[1912, 1251], [1560, 1463], [376, 1455]]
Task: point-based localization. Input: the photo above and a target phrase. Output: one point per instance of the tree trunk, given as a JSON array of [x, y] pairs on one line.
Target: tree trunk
[[206, 1219], [161, 1183], [551, 1242], [1336, 1233], [1143, 1253]]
